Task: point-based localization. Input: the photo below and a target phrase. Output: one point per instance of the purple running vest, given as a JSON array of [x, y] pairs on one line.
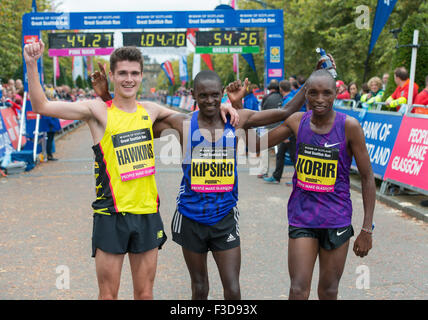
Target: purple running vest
[[321, 191]]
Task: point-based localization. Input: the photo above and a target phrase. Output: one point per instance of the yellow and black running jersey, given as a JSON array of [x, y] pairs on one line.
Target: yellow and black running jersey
[[125, 164]]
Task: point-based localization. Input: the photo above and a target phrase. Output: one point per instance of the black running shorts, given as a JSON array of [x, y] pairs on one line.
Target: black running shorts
[[120, 233], [329, 239], [200, 238]]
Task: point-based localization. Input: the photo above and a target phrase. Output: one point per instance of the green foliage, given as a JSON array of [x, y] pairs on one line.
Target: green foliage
[[79, 82], [11, 12], [309, 24]]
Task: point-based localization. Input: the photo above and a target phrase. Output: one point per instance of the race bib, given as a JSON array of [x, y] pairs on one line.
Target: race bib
[[316, 168], [134, 154], [212, 169]]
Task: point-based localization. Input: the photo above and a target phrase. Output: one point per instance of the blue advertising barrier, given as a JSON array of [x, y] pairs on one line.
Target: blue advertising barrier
[[176, 101], [380, 131]]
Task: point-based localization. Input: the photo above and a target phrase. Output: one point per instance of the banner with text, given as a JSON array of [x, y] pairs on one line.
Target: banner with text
[[380, 131], [408, 164], [11, 125]]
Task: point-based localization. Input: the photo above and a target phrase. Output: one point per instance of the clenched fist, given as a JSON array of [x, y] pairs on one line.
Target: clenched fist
[[33, 51]]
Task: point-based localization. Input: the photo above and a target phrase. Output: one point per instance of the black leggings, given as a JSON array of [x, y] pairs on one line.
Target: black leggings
[[51, 135]]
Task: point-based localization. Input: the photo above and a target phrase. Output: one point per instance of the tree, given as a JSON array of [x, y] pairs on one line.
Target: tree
[[11, 12], [309, 24], [402, 55]]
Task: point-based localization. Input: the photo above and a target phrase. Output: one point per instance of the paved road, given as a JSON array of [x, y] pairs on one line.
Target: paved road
[[46, 223]]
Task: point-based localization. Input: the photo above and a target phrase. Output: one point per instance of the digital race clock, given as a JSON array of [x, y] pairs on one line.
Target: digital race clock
[[154, 39], [227, 38], [80, 40]]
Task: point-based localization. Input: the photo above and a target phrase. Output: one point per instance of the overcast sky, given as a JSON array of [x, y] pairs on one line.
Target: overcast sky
[[137, 5]]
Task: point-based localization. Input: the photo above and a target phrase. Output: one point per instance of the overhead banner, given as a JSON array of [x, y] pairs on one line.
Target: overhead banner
[[155, 19], [271, 20], [383, 10], [409, 158]]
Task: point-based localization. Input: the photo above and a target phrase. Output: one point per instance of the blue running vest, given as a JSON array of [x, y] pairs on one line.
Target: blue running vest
[[209, 188]]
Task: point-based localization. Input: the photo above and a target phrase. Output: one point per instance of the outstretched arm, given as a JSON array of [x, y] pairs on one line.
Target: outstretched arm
[[356, 143], [65, 110], [100, 85], [250, 118], [278, 134]]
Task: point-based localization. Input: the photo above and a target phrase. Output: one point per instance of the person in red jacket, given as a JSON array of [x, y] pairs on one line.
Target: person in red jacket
[[401, 93], [422, 97], [342, 91]]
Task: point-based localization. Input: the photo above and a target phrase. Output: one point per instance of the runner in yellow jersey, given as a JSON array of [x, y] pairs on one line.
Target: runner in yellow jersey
[[126, 216]]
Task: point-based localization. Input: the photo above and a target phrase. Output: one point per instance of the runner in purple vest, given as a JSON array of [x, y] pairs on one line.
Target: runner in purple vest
[[320, 208]]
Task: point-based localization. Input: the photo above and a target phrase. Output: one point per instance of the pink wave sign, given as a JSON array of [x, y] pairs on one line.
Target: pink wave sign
[[80, 52]]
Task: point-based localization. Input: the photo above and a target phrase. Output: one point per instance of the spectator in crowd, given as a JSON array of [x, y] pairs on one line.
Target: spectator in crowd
[[18, 84], [272, 100], [50, 125], [353, 92], [342, 91], [385, 78], [401, 93], [285, 91], [375, 94], [19, 91], [294, 87], [365, 88], [66, 93], [288, 144], [422, 99], [11, 84], [250, 100]]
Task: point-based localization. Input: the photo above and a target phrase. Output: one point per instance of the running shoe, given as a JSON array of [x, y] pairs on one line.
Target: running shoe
[[271, 180]]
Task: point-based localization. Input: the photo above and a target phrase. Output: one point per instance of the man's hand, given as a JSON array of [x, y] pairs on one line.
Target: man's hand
[[321, 61], [228, 109], [100, 84], [236, 92], [33, 51], [363, 244]]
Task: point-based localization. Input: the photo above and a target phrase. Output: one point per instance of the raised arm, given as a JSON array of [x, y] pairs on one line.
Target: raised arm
[[251, 118], [65, 110], [357, 146], [100, 83]]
